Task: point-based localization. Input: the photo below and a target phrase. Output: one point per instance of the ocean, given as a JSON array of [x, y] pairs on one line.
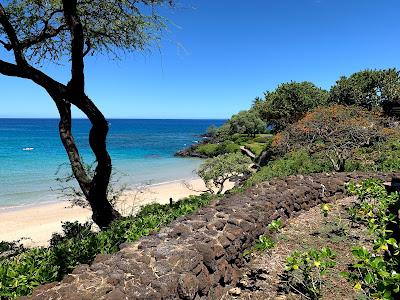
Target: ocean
[[142, 150]]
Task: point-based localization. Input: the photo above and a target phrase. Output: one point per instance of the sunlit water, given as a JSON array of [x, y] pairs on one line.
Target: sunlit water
[[142, 153]]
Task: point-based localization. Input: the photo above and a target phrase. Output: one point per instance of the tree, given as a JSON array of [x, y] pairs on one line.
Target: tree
[[247, 122], [216, 171], [369, 88], [337, 131], [289, 102], [35, 31]]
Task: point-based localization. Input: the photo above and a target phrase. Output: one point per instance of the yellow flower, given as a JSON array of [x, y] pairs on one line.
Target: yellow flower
[[357, 287], [384, 247], [317, 263]]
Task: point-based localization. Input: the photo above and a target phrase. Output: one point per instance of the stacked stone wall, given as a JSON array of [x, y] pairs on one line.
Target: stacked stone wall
[[198, 256]]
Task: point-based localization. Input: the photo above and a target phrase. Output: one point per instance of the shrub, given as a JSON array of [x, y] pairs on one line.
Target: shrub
[[376, 272], [297, 162], [304, 271], [336, 131], [230, 147], [265, 139], [209, 150]]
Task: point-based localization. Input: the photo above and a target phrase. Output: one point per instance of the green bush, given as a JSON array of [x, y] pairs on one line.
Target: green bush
[[376, 272], [20, 274], [240, 139], [263, 138], [299, 162], [208, 150], [229, 147], [305, 271]]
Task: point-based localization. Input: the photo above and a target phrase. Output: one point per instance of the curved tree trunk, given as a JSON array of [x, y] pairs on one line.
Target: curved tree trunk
[[94, 189]]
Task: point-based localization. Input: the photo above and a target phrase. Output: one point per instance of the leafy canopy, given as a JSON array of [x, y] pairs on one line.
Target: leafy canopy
[[368, 88], [289, 102], [247, 122], [108, 26]]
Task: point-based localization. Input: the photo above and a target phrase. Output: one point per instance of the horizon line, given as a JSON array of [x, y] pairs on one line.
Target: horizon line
[[112, 118]]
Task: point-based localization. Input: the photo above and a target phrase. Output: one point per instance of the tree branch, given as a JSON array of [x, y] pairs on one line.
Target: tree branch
[[7, 46], [47, 33], [12, 36]]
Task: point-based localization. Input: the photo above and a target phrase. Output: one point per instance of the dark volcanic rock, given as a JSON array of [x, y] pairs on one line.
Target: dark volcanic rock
[[198, 256]]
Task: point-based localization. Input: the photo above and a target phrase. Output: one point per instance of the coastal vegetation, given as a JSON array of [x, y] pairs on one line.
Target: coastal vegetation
[[324, 135], [58, 32]]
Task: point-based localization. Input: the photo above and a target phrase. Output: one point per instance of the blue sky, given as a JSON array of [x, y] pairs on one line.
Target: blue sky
[[223, 53]]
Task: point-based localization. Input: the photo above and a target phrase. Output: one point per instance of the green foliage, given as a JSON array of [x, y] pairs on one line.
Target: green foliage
[[121, 25], [289, 102], [304, 271], [212, 150], [216, 171], [376, 272], [247, 122], [78, 245], [208, 150], [263, 138], [369, 88], [275, 225], [211, 131], [262, 244], [297, 162], [256, 148]]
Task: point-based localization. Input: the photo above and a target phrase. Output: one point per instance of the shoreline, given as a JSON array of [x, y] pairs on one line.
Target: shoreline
[[38, 222], [5, 208]]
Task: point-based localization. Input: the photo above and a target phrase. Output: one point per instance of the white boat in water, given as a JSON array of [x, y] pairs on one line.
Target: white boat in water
[[27, 149]]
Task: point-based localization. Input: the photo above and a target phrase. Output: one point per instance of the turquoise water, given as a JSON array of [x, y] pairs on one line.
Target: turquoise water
[[142, 152]]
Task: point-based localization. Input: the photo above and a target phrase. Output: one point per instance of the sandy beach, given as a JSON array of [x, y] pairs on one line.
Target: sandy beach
[[36, 223]]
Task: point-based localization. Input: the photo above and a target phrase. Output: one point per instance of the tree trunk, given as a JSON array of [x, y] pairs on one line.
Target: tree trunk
[[94, 189], [103, 212]]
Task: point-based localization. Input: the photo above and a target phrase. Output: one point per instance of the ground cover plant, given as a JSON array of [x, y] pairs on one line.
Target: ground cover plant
[[376, 272], [22, 272]]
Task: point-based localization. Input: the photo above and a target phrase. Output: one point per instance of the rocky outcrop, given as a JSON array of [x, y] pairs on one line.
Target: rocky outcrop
[[198, 256]]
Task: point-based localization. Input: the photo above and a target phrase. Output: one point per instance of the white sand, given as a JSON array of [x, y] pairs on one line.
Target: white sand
[[37, 223]]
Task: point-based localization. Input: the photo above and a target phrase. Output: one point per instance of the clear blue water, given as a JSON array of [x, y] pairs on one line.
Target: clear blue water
[[142, 152]]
